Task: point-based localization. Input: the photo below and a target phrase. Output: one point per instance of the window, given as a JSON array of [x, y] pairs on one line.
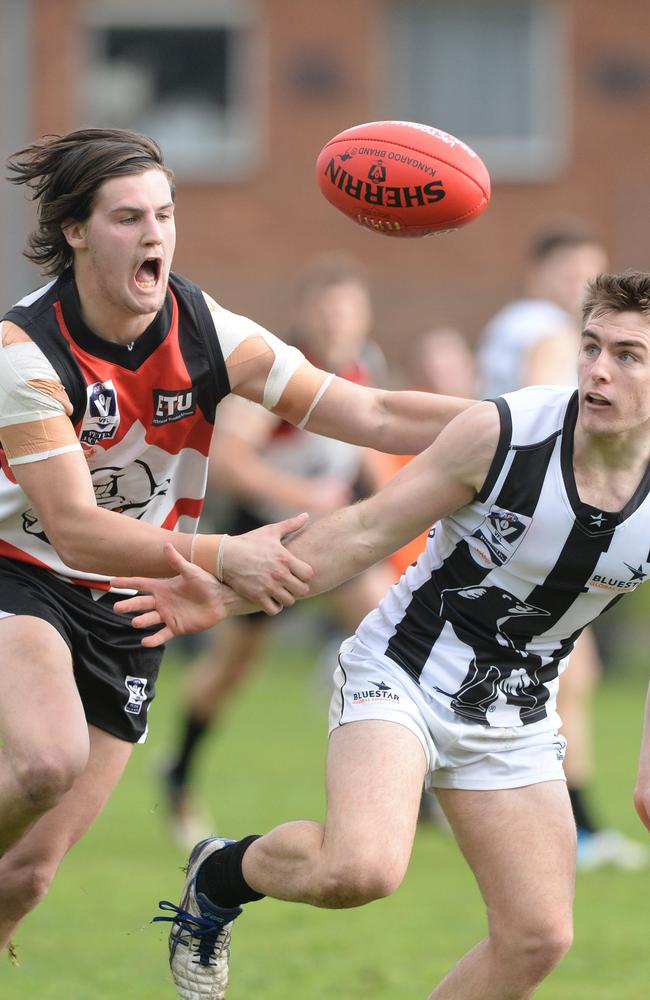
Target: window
[[187, 74], [493, 72]]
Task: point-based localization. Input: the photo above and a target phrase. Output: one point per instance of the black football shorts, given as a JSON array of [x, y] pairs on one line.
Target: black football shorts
[[115, 675]]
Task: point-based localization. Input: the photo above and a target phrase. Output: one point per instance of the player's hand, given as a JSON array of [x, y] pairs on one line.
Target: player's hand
[[192, 601], [259, 568]]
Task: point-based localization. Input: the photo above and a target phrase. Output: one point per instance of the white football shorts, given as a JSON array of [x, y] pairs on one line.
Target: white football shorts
[[466, 755]]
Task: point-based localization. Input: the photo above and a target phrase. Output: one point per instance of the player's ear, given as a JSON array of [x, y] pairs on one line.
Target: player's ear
[[74, 233]]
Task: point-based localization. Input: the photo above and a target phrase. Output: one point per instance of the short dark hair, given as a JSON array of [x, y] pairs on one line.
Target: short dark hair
[[568, 236], [617, 293], [65, 173]]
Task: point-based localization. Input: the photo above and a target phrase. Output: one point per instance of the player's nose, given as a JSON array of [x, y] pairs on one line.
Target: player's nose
[[602, 367], [152, 230]]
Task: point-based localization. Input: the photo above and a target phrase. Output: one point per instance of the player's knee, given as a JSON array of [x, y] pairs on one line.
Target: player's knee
[[36, 882], [546, 948], [540, 945], [25, 885], [355, 882], [45, 776]]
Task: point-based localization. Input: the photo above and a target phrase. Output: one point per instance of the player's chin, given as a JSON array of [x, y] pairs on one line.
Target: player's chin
[[147, 300]]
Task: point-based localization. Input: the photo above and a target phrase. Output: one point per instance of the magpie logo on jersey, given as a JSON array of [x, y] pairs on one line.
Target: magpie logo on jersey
[[497, 539], [102, 413], [137, 688], [170, 405], [383, 693]]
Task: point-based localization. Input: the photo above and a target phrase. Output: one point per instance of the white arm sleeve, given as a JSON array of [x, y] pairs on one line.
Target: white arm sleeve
[[21, 402], [232, 330]]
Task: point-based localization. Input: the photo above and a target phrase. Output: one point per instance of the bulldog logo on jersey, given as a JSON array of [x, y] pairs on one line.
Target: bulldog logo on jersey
[[497, 539], [102, 413]]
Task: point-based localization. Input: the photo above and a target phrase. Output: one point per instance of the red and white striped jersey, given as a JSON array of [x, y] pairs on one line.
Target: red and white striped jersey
[[143, 414]]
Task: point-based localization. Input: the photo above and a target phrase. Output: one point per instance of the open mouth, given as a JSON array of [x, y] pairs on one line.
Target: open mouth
[[148, 273], [594, 399]]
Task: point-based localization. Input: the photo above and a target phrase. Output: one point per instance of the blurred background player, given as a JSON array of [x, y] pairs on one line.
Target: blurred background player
[[534, 341], [265, 465]]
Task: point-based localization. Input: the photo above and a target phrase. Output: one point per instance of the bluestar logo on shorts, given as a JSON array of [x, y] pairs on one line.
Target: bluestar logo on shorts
[[137, 688], [383, 693]]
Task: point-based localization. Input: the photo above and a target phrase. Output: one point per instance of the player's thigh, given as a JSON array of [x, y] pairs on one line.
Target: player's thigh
[[39, 701], [375, 773], [520, 844]]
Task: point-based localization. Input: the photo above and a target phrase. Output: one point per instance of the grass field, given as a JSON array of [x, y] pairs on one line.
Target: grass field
[[92, 940]]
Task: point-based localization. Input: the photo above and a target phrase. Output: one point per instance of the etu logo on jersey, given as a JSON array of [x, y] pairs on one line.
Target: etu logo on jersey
[[102, 416], [170, 405], [497, 539]]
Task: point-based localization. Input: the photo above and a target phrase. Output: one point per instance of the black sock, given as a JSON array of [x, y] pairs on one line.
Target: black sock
[[220, 876], [581, 812], [193, 730]]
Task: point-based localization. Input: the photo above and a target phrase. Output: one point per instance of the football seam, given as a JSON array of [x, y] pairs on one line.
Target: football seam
[[414, 149]]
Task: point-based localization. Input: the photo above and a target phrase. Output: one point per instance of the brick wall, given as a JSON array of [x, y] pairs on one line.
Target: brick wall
[[246, 242]]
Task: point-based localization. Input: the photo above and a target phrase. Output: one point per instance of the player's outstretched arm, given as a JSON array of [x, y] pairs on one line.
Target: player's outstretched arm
[[642, 790], [93, 539], [436, 483], [400, 423], [190, 601], [265, 370]]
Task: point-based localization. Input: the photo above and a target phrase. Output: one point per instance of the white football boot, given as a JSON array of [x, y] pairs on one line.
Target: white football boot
[[199, 940]]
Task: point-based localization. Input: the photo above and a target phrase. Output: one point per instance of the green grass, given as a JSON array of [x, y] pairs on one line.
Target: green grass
[[91, 938]]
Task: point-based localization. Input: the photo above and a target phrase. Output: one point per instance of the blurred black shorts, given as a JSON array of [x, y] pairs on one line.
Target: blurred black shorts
[[115, 675]]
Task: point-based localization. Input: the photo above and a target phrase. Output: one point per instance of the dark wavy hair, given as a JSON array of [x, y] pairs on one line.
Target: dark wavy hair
[[617, 293], [65, 172]]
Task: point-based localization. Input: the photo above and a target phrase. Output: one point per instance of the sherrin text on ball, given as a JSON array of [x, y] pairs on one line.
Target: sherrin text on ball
[[403, 178]]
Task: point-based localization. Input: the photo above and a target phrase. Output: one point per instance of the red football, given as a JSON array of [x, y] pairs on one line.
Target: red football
[[403, 179]]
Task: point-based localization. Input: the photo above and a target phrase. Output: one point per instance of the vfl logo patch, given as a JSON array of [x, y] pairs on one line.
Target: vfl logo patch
[[102, 413], [170, 405], [137, 688], [497, 539]]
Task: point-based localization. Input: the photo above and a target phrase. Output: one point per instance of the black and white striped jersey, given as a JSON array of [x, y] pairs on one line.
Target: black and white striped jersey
[[487, 616]]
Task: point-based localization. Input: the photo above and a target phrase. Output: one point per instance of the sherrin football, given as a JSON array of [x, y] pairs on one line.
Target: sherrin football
[[402, 178]]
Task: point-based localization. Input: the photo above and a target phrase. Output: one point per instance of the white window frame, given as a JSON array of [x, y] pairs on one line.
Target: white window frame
[[539, 156], [236, 152]]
